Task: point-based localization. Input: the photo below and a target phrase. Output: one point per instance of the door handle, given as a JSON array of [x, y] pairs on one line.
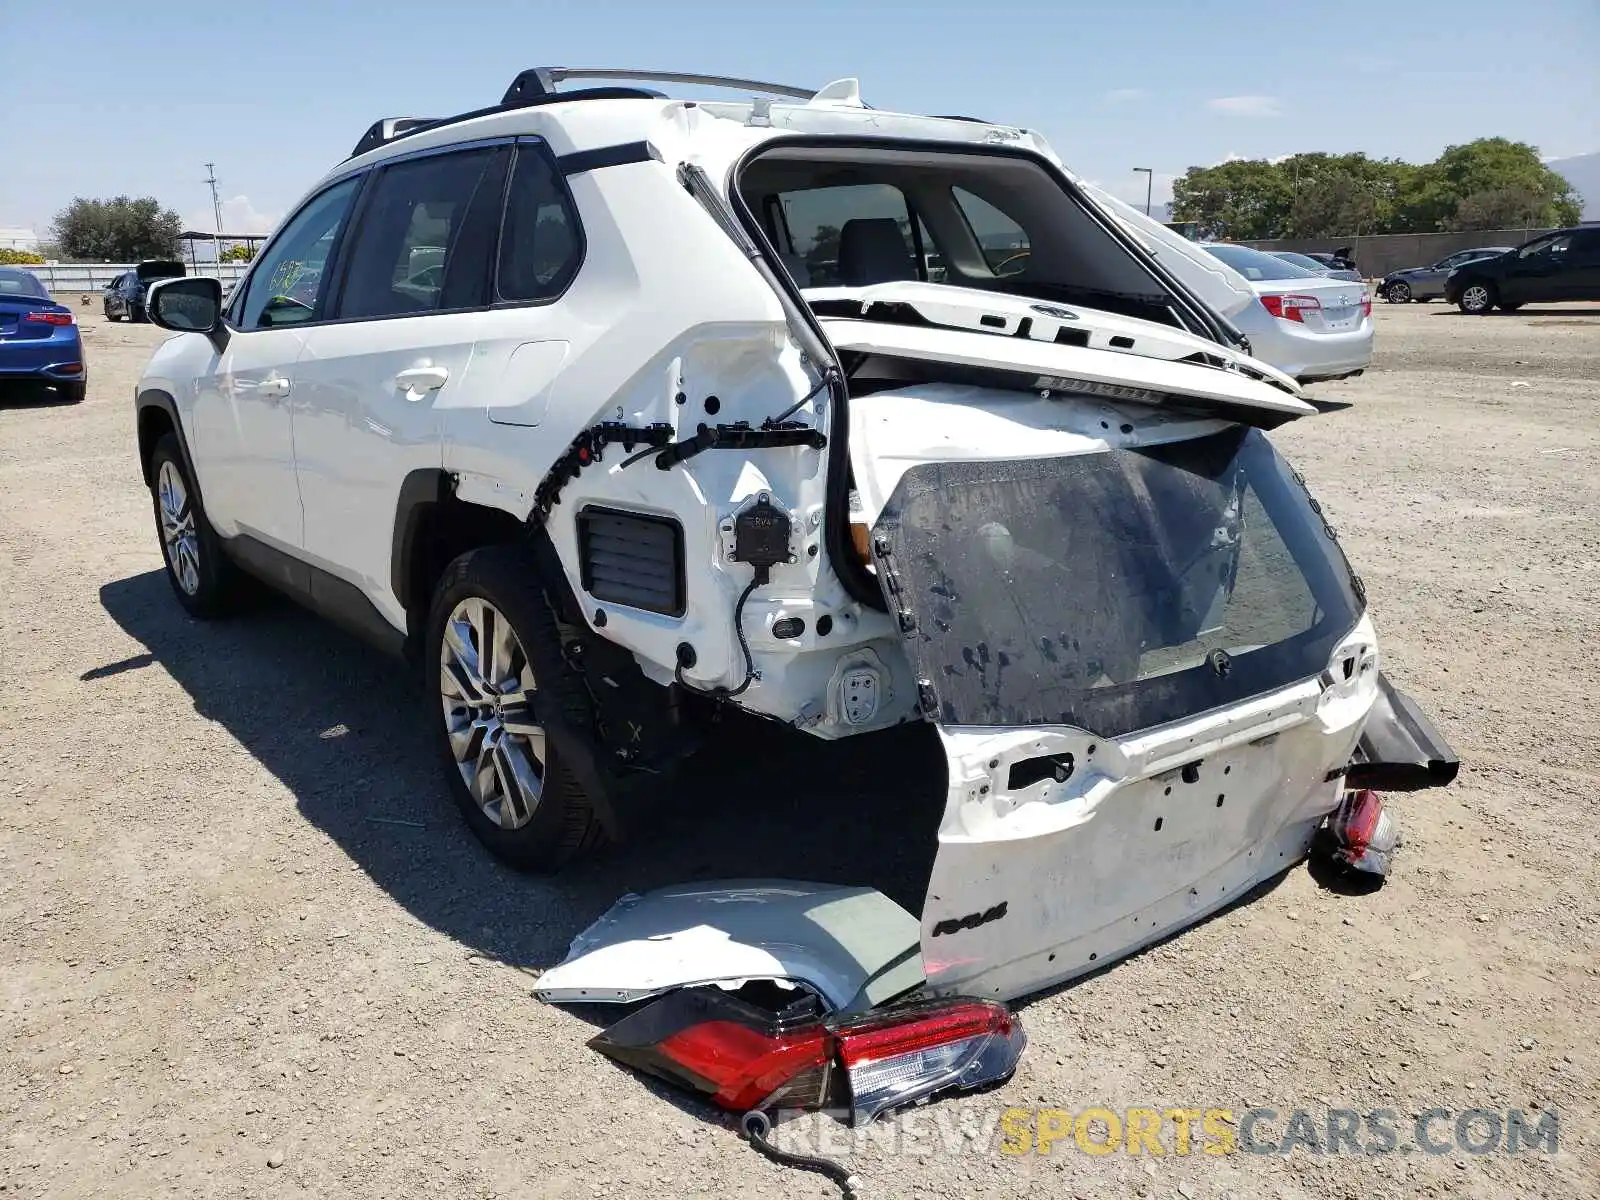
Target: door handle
[[273, 386], [417, 382]]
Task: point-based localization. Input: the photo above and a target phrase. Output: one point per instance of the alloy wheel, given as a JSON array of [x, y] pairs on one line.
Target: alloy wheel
[[1398, 293], [179, 539], [1475, 298], [488, 693]]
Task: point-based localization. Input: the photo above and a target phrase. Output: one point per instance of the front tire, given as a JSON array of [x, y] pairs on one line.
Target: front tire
[[202, 577], [1477, 298], [110, 316], [490, 626], [1398, 293]]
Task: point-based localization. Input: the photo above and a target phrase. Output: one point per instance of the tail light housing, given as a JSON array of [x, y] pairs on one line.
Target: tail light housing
[[1291, 308], [50, 318], [1360, 835], [745, 1057], [903, 1055], [1366, 304]]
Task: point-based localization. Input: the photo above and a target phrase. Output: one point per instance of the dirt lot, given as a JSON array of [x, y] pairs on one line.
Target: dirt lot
[[247, 948]]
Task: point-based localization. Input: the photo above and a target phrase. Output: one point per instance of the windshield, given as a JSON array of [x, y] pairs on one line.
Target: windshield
[[21, 283], [1119, 590], [849, 216], [1254, 265]]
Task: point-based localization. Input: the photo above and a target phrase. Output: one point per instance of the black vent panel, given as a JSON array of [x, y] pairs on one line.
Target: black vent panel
[[632, 559]]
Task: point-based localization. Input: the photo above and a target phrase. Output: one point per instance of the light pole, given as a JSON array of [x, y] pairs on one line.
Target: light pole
[[1149, 185]]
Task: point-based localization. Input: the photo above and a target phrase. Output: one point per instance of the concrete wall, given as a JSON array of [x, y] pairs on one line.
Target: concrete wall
[[1381, 253]]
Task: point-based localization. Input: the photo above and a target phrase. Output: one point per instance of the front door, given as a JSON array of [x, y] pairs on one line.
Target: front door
[[243, 423]]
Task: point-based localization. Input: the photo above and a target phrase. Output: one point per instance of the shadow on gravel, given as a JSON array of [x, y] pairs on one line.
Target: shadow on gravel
[[345, 729], [1529, 311], [15, 393]]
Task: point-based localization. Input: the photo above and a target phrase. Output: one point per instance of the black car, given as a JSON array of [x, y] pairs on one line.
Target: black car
[[124, 295], [1338, 260], [1559, 266]]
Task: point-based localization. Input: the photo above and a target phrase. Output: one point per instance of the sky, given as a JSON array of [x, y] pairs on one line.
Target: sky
[[106, 98]]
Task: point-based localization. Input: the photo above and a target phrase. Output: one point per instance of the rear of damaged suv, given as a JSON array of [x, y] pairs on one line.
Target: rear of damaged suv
[[1145, 654], [855, 419]]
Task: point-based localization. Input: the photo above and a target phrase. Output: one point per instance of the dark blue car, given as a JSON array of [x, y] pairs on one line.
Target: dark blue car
[[39, 340]]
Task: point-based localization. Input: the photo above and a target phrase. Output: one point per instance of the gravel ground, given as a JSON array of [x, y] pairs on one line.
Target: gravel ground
[[247, 948]]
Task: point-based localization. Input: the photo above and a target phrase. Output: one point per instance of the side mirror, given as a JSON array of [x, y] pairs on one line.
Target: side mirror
[[192, 304]]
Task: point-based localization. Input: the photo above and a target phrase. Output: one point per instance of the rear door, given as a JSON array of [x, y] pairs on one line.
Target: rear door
[[415, 278], [1581, 278], [1120, 640]]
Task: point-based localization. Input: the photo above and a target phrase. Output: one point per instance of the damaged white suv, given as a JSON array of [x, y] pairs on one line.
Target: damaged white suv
[[610, 409]]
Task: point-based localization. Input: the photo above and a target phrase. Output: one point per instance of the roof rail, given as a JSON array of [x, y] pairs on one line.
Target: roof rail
[[389, 128], [541, 81]]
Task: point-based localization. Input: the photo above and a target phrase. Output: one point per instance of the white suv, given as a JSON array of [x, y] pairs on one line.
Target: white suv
[[610, 409]]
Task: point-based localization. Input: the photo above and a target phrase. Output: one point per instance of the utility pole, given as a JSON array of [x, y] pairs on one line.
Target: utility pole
[[216, 207], [1149, 185]]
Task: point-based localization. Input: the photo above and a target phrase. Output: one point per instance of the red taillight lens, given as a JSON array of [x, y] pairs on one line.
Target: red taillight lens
[[735, 1054], [1366, 304], [746, 1058], [746, 1065], [50, 318], [1291, 308]]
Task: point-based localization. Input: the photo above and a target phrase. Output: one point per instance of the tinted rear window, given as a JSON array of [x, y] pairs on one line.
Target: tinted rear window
[[1254, 265], [21, 283], [1103, 590]]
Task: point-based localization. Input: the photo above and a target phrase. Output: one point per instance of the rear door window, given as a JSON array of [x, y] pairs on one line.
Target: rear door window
[[408, 255]]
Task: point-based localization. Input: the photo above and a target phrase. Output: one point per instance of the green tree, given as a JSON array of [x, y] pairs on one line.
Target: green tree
[[1318, 195], [237, 254], [117, 230], [1244, 199], [1486, 165], [19, 258], [1503, 208]]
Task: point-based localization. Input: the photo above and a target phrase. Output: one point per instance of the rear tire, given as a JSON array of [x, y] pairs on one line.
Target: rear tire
[[203, 578], [1477, 298], [73, 393], [493, 664]]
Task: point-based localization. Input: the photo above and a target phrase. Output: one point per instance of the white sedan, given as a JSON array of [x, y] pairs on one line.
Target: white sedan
[[1307, 325]]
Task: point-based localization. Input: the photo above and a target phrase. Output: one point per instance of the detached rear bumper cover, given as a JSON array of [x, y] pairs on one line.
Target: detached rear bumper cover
[[1400, 749]]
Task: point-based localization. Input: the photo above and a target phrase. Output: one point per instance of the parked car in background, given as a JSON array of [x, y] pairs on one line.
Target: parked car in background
[[1307, 325], [1316, 266], [1425, 283], [39, 339], [1340, 260], [124, 298], [1564, 265]]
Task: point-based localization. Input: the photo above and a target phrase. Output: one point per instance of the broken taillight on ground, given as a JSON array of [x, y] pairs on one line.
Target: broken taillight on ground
[[900, 1056], [744, 1057], [1360, 835]]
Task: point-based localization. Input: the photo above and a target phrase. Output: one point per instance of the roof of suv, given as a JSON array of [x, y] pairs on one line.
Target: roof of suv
[[594, 118]]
